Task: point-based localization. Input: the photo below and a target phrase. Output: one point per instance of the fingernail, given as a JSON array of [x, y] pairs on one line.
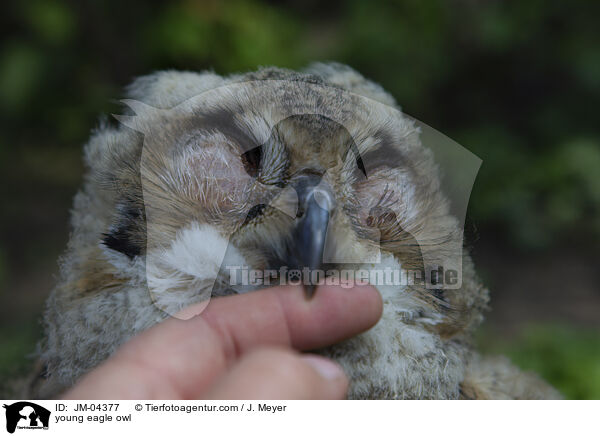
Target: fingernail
[[191, 311], [326, 368]]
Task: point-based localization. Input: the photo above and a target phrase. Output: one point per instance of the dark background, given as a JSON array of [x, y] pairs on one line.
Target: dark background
[[517, 83]]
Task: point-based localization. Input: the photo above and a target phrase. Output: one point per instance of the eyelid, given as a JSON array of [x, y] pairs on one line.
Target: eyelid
[[274, 170]]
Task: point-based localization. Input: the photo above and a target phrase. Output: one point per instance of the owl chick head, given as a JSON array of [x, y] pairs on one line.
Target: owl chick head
[[253, 182]]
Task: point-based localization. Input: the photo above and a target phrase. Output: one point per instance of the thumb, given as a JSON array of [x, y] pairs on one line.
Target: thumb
[[271, 373]]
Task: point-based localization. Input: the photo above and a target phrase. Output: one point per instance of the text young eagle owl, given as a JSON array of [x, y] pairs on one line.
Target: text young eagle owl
[[202, 172]]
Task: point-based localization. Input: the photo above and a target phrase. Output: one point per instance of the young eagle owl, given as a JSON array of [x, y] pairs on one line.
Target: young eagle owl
[[206, 172]]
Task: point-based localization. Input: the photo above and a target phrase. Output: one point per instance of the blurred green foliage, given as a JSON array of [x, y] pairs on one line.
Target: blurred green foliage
[[567, 357], [17, 342], [517, 83]]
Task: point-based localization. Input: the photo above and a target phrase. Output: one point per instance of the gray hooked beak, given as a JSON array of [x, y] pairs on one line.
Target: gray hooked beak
[[315, 206]]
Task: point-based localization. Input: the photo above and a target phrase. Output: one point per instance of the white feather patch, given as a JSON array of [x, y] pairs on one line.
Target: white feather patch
[[185, 272]]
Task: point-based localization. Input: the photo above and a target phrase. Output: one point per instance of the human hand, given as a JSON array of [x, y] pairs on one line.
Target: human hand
[[240, 347]]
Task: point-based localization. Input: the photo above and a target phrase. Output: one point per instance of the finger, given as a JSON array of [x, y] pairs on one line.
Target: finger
[[280, 374], [179, 359], [283, 316]]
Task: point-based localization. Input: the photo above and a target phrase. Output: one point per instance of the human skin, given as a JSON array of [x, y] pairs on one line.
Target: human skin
[[240, 347]]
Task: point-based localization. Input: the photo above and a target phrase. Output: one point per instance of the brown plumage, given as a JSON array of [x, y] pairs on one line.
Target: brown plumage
[[210, 171]]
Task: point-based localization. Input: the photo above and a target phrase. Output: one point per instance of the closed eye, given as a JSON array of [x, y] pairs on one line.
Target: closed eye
[[252, 160], [361, 165]]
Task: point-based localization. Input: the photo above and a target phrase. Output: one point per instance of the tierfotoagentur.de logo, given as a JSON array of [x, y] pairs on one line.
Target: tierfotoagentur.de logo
[[25, 415]]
